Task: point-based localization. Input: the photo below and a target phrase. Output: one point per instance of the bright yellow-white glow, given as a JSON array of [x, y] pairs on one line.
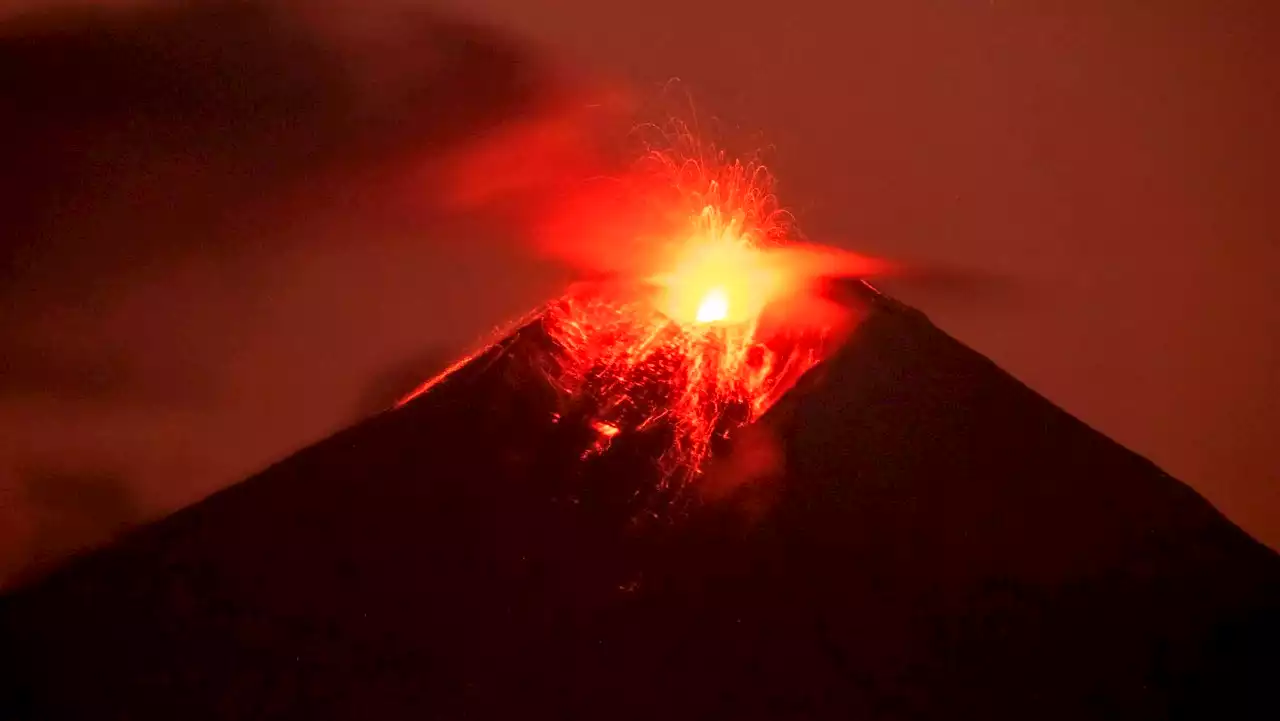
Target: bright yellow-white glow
[[717, 280], [714, 306]]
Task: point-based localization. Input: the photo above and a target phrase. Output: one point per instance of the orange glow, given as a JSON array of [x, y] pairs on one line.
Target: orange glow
[[680, 350], [718, 279], [709, 316]]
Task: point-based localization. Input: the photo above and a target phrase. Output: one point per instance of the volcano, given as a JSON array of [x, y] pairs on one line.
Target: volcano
[[930, 540]]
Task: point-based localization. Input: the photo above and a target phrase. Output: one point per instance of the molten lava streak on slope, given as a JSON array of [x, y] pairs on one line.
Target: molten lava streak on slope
[[708, 315]]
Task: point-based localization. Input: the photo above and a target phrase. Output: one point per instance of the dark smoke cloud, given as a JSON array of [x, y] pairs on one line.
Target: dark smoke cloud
[[228, 232]]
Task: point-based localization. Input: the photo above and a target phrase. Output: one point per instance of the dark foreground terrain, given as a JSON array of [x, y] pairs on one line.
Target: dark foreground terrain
[[943, 543]]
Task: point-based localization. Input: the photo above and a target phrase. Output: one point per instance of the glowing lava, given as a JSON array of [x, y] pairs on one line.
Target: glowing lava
[[708, 319], [720, 276], [680, 356]]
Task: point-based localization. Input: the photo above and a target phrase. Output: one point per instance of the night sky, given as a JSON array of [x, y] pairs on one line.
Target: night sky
[[1100, 176]]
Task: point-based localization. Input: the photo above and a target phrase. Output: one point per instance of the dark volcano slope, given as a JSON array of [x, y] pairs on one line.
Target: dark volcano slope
[[944, 543]]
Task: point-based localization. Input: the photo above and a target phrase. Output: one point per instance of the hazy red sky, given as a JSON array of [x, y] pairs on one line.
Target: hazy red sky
[[1117, 159]]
